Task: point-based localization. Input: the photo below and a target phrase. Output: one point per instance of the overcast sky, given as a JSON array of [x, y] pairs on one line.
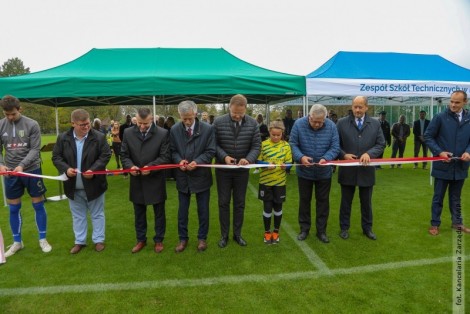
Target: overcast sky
[[292, 36]]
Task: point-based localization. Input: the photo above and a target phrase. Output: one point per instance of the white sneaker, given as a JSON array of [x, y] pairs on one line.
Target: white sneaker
[[45, 246], [15, 247]]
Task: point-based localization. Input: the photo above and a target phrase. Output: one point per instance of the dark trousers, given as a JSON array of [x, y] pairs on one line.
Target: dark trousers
[[398, 146], [231, 183], [365, 197], [418, 145], [117, 150], [202, 199], [322, 203], [140, 215], [455, 206]]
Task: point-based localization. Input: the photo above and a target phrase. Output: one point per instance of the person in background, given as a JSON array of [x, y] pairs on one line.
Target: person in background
[[314, 140], [263, 128], [300, 113], [127, 124], [385, 126], [361, 139], [192, 143], [78, 152], [238, 143], [400, 132], [448, 135], [21, 142], [134, 121], [111, 123], [116, 143], [419, 127], [288, 124], [169, 122], [205, 117], [144, 145], [272, 180], [98, 127], [211, 119], [161, 122]]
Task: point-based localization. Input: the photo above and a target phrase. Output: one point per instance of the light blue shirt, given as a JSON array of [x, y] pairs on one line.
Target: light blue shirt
[[79, 143]]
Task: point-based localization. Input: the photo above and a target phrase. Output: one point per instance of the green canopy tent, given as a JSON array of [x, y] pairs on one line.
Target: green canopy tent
[[139, 75], [158, 76]]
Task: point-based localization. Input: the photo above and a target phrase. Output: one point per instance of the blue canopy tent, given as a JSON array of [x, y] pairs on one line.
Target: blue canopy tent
[[387, 74]]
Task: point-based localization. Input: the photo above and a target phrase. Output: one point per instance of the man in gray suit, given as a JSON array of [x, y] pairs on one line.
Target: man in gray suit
[[361, 138]]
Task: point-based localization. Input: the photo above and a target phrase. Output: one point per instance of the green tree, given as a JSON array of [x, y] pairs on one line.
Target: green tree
[[13, 67]]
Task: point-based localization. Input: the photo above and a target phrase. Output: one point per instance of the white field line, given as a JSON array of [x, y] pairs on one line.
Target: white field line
[[314, 259], [172, 283]]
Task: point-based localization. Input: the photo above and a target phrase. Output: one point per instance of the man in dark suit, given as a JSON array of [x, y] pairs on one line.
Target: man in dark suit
[[385, 126], [400, 132], [146, 145], [360, 138], [191, 143], [419, 127], [238, 143]]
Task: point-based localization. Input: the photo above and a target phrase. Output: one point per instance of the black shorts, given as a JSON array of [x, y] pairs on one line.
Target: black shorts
[[276, 194]]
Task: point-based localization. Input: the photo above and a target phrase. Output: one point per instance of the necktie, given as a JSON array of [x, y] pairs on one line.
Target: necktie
[[359, 123], [189, 132], [143, 135]]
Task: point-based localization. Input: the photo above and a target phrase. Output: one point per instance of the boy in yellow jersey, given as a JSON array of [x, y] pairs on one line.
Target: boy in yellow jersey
[[272, 181]]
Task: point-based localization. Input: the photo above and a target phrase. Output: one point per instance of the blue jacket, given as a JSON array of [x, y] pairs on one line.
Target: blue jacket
[[316, 144], [446, 134], [199, 148]]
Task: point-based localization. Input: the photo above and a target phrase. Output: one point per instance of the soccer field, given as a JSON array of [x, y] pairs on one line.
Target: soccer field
[[405, 270]]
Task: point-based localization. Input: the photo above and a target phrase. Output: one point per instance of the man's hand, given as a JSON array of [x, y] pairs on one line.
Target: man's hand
[[144, 172], [365, 159], [446, 155], [183, 164], [135, 171], [349, 156], [191, 166], [306, 161], [243, 162], [465, 156], [18, 169], [87, 176], [230, 160], [71, 172]]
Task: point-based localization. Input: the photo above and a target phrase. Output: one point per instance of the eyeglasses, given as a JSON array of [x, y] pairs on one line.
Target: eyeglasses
[[83, 125]]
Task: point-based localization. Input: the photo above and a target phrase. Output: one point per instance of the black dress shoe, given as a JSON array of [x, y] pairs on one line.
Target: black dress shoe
[[239, 240], [323, 237], [223, 242], [344, 234], [302, 236], [370, 235]]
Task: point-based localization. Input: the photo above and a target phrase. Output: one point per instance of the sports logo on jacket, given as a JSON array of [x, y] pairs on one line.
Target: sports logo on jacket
[[21, 133]]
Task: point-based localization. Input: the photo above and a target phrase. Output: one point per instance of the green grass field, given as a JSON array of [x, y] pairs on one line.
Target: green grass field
[[404, 271]]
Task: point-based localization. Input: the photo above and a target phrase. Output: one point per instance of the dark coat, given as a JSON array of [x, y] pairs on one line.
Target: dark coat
[[95, 156], [396, 131], [152, 151], [246, 144], [417, 129], [199, 148], [369, 139], [446, 134], [385, 126]]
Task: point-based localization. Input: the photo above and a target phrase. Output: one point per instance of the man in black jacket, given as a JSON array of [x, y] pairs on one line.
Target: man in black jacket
[[192, 143], [77, 152], [145, 145], [238, 143], [419, 127]]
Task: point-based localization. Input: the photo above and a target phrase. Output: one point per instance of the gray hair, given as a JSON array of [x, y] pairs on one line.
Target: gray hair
[[187, 106], [318, 110]]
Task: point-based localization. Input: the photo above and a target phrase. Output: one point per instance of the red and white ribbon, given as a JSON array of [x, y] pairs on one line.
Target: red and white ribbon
[[341, 163]]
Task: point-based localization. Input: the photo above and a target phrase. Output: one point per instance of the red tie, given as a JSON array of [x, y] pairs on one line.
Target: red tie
[[189, 132]]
